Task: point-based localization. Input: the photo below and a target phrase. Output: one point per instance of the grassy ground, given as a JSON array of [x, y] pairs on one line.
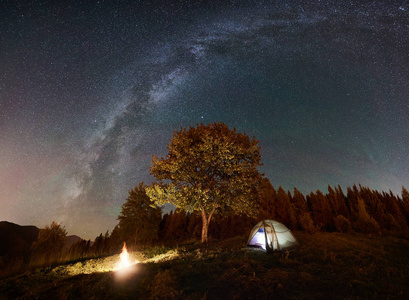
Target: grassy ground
[[324, 266]]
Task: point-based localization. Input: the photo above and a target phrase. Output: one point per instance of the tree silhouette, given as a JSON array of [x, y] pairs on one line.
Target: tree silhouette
[[302, 212], [139, 220], [283, 209], [194, 227], [164, 225], [49, 244], [178, 224], [321, 210], [266, 199], [405, 203], [365, 223], [395, 215], [341, 202]]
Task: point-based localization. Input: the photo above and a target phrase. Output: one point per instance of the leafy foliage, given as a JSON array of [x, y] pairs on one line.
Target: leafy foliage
[[208, 168]]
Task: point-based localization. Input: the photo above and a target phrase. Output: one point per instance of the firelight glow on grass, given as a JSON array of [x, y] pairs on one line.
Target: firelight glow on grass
[[114, 264]]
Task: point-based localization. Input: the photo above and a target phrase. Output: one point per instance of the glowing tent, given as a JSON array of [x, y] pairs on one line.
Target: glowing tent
[[271, 235]]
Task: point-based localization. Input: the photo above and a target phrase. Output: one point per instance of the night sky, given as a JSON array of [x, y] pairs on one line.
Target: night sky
[[90, 90]]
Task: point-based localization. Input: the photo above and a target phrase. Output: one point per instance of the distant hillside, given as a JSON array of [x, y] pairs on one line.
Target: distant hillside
[[15, 246], [16, 240], [71, 239]]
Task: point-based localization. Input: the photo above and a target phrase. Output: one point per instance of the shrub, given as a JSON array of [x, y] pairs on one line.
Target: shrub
[[307, 223], [342, 224]]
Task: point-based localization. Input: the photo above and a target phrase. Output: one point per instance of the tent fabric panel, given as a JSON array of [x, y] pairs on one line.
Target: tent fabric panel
[[279, 227], [286, 239], [253, 232]]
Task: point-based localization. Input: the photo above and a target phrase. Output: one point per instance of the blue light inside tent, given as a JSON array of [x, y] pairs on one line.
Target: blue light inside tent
[[259, 239]]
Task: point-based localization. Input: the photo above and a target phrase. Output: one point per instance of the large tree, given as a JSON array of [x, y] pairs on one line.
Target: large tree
[[208, 168], [139, 220]]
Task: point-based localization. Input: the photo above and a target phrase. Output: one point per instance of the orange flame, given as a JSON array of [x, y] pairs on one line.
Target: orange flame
[[124, 263]]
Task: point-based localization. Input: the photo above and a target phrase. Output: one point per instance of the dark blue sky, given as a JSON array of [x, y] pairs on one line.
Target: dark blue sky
[[90, 91]]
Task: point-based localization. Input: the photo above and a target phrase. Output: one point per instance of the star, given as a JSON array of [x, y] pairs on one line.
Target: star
[[90, 91]]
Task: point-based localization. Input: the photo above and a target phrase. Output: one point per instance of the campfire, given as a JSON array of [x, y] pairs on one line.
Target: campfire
[[125, 262]]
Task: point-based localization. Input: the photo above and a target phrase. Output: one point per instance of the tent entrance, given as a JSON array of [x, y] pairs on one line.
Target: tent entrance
[[271, 235], [259, 239], [265, 238]]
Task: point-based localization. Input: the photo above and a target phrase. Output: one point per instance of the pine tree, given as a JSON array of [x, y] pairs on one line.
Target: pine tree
[[139, 219], [352, 203], [374, 205], [302, 212], [267, 197], [405, 204], [115, 240], [341, 202], [283, 209], [332, 199], [397, 220], [365, 223], [321, 210], [96, 247]]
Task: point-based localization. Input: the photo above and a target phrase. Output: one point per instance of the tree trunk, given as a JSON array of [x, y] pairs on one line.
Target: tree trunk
[[205, 224], [205, 227]]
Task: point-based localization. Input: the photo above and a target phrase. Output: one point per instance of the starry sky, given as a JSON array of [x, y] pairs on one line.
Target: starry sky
[[90, 90]]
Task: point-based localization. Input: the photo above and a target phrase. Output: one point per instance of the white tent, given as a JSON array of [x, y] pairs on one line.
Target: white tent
[[271, 235]]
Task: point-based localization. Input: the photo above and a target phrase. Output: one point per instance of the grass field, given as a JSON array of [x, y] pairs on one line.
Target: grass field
[[324, 266]]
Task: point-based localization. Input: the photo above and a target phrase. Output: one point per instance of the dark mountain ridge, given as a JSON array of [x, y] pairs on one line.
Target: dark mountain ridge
[[71, 240], [16, 240]]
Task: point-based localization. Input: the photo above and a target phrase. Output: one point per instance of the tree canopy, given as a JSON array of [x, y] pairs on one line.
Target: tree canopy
[[208, 168]]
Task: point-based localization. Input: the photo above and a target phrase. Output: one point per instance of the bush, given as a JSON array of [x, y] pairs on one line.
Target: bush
[[342, 224], [306, 222]]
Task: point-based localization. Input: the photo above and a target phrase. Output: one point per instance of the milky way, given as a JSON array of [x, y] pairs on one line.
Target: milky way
[[89, 92]]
